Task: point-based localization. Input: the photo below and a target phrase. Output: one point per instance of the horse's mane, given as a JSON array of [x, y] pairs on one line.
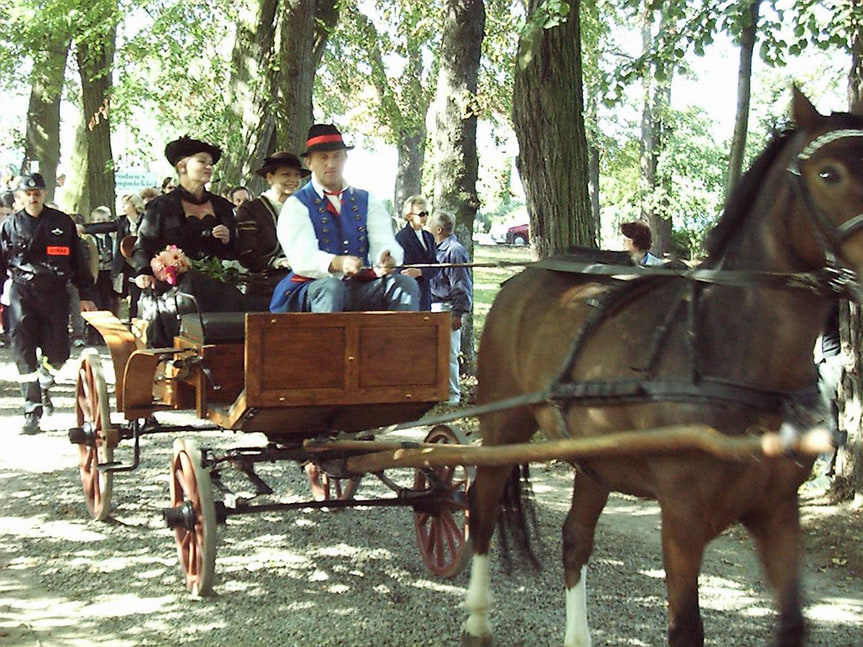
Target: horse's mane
[[739, 202]]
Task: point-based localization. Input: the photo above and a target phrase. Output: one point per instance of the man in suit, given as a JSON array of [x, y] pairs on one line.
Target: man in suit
[[419, 246]]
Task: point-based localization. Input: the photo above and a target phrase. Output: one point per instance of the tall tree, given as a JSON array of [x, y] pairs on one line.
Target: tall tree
[[850, 465], [42, 146], [272, 78], [552, 157], [454, 118], [748, 38]]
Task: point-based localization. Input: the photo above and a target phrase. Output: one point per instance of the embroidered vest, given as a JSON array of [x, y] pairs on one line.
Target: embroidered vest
[[344, 234]]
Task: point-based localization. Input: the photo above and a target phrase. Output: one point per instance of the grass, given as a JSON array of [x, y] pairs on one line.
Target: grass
[[487, 280]]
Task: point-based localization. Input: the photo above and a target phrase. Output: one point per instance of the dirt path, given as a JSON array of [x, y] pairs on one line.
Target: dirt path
[[346, 578]]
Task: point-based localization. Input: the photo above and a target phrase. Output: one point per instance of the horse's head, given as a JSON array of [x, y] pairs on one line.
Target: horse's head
[[827, 172]]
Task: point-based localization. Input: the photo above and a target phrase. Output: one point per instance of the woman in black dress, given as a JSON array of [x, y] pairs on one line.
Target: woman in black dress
[[199, 223]]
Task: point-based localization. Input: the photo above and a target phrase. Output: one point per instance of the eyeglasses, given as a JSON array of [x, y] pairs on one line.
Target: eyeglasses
[[421, 214]]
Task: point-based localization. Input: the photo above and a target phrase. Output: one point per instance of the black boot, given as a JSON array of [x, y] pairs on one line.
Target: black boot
[[31, 424]]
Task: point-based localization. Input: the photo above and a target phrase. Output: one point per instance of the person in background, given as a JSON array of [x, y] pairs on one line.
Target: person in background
[[238, 195], [131, 209], [451, 289], [106, 243], [258, 248], [637, 240], [77, 325], [148, 193], [332, 234], [419, 246], [168, 185], [40, 251]]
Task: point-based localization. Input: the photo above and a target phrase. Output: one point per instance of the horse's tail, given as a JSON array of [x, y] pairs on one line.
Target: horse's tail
[[517, 518]]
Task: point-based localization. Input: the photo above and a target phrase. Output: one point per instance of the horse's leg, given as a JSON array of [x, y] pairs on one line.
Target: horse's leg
[[777, 534], [485, 493], [683, 543], [588, 500]]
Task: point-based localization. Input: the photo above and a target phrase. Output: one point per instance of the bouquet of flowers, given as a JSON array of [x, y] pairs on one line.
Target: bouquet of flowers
[[169, 264]]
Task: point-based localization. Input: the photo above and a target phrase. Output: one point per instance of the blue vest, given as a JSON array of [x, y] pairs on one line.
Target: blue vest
[[343, 235]]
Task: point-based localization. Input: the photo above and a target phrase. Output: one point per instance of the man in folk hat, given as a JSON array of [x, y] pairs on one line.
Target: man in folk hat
[[338, 240], [258, 247], [40, 251]]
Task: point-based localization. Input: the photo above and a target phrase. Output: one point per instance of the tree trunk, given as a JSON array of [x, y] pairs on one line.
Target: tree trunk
[[42, 147], [849, 467], [254, 79], [549, 125], [95, 62], [305, 27], [657, 101], [411, 155], [456, 163], [855, 77], [744, 89]]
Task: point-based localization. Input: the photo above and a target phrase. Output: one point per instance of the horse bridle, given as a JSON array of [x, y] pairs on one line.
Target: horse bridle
[[841, 278]]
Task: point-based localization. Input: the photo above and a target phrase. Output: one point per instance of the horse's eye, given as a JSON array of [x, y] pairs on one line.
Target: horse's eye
[[830, 175]]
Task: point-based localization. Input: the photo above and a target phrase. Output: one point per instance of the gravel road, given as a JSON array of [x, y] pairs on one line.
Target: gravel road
[[347, 578]]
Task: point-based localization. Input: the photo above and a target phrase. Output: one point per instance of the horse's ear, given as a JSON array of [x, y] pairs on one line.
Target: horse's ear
[[803, 112]]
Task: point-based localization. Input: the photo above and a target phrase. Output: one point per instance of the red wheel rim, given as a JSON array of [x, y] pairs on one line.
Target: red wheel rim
[[442, 534]]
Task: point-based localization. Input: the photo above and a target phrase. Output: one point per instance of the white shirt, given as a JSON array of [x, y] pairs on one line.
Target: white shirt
[[297, 236]]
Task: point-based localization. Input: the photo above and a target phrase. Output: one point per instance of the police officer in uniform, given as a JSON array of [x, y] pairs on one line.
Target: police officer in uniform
[[40, 251]]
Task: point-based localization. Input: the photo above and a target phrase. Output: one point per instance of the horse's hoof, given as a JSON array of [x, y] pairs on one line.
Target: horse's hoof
[[467, 640]]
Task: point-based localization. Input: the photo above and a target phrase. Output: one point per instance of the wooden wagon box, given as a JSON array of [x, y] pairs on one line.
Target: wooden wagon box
[[318, 373]]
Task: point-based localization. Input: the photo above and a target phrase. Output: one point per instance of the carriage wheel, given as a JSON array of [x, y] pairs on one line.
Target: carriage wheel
[[442, 533], [328, 488], [93, 413], [196, 540]]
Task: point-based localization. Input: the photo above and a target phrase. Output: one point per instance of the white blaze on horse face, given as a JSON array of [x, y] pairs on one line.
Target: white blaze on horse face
[[577, 633], [478, 602]]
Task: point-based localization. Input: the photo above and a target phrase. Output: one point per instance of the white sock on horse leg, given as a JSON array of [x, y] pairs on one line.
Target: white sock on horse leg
[[478, 599], [577, 632]]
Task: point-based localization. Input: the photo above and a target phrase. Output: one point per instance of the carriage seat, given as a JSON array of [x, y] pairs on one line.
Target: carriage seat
[[214, 327]]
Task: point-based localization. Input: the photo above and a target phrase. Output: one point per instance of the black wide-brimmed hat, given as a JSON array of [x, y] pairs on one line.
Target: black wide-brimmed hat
[[186, 147], [280, 159], [30, 182], [324, 137]]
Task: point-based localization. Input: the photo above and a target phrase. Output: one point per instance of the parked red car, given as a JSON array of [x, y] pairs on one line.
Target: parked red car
[[518, 235]]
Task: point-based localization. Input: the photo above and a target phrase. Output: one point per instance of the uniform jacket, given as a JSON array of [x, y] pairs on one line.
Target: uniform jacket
[[45, 250], [165, 223], [416, 254]]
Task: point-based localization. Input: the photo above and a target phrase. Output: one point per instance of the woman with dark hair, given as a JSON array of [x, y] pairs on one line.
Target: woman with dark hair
[[168, 185], [637, 240], [258, 247], [192, 222]]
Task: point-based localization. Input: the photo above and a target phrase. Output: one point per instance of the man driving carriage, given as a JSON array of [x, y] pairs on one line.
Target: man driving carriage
[[338, 240]]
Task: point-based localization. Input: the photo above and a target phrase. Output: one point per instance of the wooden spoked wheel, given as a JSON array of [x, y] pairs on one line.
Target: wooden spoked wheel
[[328, 488], [192, 489], [442, 532], [94, 416]]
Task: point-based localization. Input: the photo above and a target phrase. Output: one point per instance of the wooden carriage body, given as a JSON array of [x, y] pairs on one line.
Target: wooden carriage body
[[287, 375]]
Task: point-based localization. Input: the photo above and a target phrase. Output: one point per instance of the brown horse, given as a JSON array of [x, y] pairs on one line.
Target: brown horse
[[663, 350]]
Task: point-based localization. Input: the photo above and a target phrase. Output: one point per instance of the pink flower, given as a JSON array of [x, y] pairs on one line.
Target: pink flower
[[169, 264]]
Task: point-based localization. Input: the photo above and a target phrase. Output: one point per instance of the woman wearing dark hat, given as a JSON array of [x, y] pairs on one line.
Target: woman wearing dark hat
[[196, 221], [258, 247]]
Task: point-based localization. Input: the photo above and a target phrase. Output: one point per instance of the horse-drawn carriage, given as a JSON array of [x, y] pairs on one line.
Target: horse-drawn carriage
[[309, 383], [711, 368]]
